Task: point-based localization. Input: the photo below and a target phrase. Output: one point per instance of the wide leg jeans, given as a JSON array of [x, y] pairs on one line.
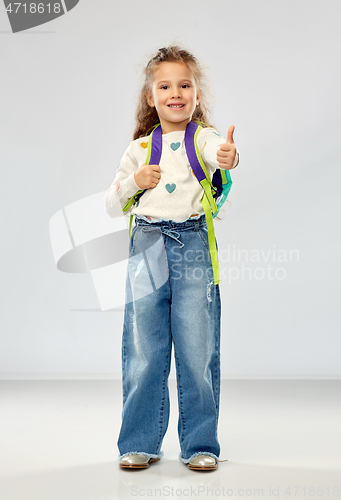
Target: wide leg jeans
[[171, 300]]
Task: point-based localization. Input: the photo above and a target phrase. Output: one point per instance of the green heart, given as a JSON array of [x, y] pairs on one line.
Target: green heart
[[170, 187], [175, 145]]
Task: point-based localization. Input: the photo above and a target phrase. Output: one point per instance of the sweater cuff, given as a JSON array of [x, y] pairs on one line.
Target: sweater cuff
[[130, 186], [236, 160]]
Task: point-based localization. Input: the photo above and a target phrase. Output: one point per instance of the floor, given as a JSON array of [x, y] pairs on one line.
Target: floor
[[282, 439]]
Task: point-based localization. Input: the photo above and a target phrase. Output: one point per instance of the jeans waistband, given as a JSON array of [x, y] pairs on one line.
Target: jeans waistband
[[171, 224]]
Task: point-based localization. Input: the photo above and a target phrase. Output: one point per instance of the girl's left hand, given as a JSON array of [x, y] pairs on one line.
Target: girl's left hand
[[227, 151]]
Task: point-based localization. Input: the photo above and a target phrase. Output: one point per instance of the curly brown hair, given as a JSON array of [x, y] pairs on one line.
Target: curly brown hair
[[146, 116]]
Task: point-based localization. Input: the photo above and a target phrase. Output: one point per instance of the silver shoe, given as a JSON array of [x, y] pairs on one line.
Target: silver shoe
[[136, 461], [203, 462]]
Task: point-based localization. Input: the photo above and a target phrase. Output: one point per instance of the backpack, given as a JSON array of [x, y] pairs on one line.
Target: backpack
[[215, 191]]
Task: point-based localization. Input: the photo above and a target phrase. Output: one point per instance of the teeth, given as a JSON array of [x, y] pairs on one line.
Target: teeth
[[176, 106]]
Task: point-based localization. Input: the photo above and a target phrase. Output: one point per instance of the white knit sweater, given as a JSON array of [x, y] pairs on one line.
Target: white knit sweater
[[177, 195]]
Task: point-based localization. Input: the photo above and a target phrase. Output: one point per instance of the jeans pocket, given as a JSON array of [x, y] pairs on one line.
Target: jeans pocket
[[134, 233], [203, 233]]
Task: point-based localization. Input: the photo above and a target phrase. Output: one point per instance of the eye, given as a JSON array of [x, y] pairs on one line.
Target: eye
[[164, 87], [185, 85]]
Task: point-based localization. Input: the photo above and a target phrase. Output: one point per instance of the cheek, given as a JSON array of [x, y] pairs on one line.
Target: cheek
[[154, 96], [192, 97], [158, 99]]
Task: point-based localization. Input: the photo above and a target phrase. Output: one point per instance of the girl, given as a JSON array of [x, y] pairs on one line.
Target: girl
[[171, 298]]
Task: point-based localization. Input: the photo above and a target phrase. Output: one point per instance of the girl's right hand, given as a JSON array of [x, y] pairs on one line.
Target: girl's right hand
[[147, 176]]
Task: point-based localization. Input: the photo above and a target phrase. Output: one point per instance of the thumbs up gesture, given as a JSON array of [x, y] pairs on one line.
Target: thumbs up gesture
[[227, 151]]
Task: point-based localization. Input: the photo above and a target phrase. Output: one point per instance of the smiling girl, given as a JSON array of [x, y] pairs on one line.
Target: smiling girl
[[171, 298]]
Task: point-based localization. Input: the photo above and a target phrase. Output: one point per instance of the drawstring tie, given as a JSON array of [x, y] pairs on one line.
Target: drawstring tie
[[173, 234]]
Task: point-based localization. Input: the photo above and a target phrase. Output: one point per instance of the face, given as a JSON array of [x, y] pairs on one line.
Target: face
[[174, 95]]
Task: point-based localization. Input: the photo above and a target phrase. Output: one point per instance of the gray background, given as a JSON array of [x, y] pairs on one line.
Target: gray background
[[68, 97]]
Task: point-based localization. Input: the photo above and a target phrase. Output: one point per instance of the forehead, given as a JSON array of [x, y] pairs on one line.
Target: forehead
[[172, 71]]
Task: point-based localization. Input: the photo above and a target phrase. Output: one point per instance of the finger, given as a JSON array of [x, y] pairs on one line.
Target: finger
[[220, 162], [156, 168], [226, 147], [230, 132], [222, 153], [224, 158]]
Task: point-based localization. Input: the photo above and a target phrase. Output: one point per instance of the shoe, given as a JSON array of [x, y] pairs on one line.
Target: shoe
[[202, 462], [136, 461]]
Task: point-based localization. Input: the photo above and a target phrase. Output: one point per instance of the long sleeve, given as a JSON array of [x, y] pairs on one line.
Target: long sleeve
[[208, 142], [123, 186]]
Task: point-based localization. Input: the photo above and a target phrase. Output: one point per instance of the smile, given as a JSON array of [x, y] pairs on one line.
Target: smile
[[175, 106]]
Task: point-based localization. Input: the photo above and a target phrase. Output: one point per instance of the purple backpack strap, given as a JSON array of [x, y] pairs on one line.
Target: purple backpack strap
[[156, 146], [155, 151], [190, 150]]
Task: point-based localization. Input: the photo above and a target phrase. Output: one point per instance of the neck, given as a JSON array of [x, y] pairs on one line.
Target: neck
[[173, 127]]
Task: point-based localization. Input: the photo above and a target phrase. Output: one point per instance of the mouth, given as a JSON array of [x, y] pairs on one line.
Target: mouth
[[175, 106]]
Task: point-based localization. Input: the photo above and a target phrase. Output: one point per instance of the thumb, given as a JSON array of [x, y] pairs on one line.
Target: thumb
[[230, 132]]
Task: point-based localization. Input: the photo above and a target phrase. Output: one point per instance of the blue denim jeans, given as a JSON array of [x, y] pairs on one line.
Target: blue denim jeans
[[171, 300]]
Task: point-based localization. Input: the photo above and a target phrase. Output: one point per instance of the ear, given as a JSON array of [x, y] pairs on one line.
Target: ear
[[199, 93], [150, 100]]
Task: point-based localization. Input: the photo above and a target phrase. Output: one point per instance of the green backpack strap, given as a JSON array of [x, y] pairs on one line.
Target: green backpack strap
[[134, 199], [207, 200], [211, 238]]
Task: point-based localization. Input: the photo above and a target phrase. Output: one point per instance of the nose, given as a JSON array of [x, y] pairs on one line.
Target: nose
[[176, 92]]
